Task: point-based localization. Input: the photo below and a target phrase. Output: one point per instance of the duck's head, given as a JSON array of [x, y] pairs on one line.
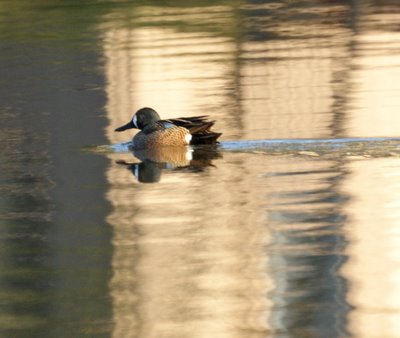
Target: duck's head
[[141, 119]]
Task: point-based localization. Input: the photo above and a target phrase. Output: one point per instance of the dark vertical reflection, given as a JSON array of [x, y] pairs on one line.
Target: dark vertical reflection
[[25, 219], [308, 254], [55, 242]]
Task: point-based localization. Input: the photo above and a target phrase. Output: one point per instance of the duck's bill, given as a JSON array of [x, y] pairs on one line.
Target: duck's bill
[[129, 125]]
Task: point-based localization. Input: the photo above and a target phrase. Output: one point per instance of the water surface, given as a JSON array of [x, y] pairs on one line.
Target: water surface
[[297, 242]]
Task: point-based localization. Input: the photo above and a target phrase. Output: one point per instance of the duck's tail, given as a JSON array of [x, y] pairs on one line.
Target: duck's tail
[[203, 134], [209, 138]]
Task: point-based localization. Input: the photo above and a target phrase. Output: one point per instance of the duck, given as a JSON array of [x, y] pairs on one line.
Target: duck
[[182, 131]]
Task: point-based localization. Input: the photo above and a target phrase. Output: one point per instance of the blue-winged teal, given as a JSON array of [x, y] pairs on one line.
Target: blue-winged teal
[[182, 131]]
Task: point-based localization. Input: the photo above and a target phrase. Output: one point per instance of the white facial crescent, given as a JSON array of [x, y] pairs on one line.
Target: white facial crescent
[[134, 121]]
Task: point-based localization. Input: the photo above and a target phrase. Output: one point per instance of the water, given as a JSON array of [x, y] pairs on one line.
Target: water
[[253, 239]]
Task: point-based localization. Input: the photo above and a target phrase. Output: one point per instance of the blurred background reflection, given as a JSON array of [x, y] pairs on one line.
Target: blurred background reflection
[[245, 244]]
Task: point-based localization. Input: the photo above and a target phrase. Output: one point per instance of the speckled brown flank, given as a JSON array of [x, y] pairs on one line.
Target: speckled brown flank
[[169, 137]]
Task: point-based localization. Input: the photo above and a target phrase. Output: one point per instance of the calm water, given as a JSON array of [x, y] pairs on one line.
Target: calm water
[[231, 244]]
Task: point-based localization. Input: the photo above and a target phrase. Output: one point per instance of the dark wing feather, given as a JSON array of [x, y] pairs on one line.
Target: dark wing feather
[[187, 122]]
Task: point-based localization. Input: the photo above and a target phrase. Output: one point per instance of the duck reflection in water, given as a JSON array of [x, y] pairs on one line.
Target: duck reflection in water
[[155, 160]]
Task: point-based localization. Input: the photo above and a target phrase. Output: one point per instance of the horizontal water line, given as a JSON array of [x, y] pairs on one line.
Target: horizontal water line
[[379, 145], [257, 144]]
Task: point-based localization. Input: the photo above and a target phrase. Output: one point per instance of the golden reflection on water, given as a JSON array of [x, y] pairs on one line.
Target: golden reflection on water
[[374, 254], [377, 75], [293, 91], [256, 245], [189, 258], [176, 72]]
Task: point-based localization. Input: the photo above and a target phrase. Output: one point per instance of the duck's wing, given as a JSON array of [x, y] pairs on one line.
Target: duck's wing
[[194, 123], [199, 127], [188, 122]]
